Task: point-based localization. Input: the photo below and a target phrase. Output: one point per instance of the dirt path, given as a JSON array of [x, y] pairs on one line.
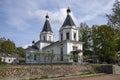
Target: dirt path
[[99, 77]]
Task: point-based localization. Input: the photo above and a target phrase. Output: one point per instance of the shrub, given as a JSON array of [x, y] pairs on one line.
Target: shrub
[[0, 60], [95, 66]]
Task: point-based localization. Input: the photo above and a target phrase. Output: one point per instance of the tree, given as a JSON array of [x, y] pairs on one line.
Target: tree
[[39, 56], [2, 39], [51, 55], [30, 56], [114, 18], [85, 36], [20, 51], [105, 43], [45, 55], [8, 47]]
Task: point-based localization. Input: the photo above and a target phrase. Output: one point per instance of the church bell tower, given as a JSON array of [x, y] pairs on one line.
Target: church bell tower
[[46, 33], [68, 31]]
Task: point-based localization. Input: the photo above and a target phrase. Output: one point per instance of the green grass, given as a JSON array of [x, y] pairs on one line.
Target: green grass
[[44, 77], [88, 72]]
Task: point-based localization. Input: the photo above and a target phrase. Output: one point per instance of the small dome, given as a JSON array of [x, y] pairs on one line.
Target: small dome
[[68, 10], [47, 16]]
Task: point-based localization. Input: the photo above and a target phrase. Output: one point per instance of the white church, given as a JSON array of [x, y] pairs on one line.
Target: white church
[[67, 49]]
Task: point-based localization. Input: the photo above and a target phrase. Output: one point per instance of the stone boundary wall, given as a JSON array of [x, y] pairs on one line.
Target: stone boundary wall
[[107, 68], [104, 68], [25, 72], [116, 69]]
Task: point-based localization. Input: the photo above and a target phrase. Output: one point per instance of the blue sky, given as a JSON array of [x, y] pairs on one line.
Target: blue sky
[[22, 20]]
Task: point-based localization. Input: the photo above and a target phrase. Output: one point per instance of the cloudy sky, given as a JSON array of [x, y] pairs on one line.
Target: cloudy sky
[[22, 20]]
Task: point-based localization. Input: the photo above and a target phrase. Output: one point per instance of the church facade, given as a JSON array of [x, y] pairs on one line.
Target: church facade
[[67, 49]]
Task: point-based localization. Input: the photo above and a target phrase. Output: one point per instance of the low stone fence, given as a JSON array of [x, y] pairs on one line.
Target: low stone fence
[[116, 69], [25, 72], [106, 68]]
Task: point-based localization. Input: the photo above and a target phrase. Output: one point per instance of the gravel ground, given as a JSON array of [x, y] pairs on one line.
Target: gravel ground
[[98, 77]]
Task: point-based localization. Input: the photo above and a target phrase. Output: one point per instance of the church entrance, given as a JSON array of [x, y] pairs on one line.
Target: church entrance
[[75, 55]]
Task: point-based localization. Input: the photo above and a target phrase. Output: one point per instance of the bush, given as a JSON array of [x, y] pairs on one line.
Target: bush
[[0, 60], [94, 66]]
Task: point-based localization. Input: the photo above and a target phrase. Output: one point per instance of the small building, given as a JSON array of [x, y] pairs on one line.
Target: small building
[[67, 49], [8, 58]]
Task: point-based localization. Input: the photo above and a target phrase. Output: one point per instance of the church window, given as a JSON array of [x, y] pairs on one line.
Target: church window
[[50, 38], [74, 36], [44, 38], [74, 48], [61, 37], [9, 60], [3, 60], [61, 54], [67, 36], [35, 57], [52, 51]]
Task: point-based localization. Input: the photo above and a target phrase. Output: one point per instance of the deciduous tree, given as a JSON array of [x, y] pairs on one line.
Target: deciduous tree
[[105, 42], [8, 47]]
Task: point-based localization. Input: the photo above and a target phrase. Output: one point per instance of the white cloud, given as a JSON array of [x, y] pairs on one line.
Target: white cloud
[[57, 17], [18, 16], [17, 23], [26, 46]]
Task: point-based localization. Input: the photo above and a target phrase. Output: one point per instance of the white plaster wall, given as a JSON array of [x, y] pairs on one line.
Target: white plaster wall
[[8, 59], [70, 48], [47, 34], [67, 48], [43, 44], [31, 58], [56, 51], [71, 32]]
